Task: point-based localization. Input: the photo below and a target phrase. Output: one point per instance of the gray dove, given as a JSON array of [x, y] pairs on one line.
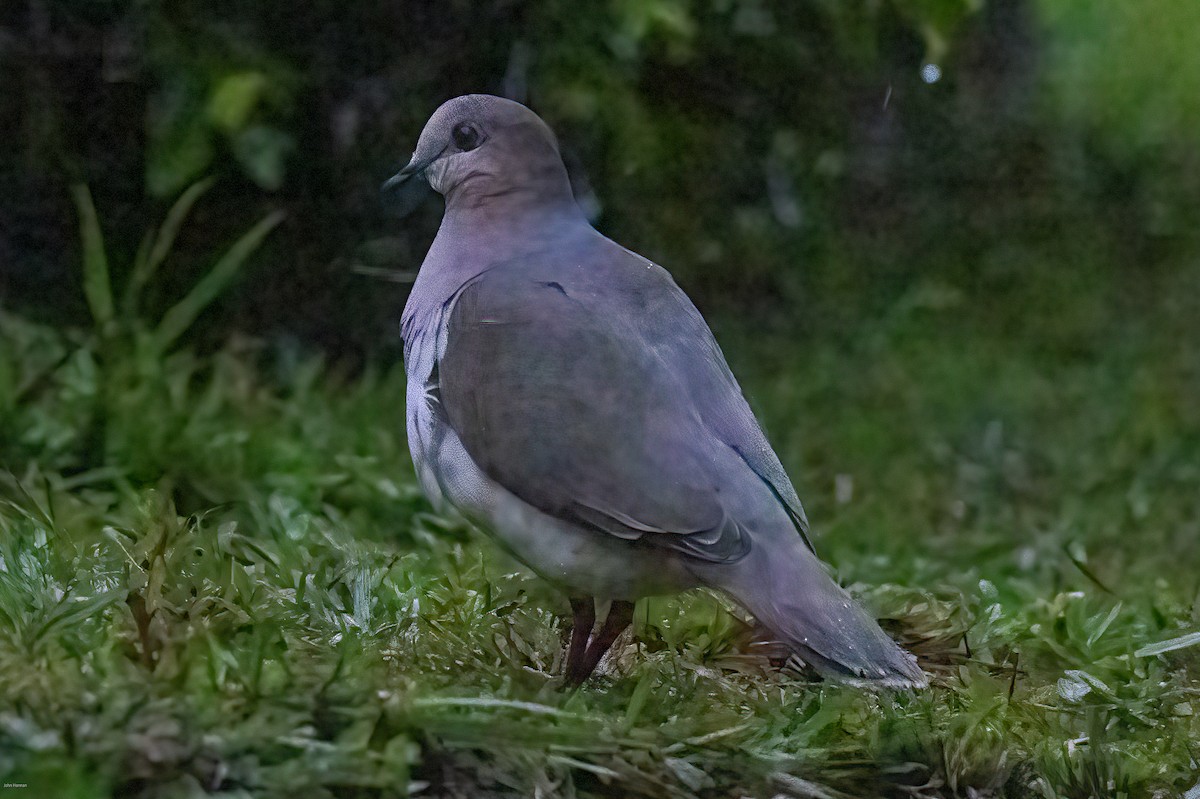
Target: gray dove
[[565, 395]]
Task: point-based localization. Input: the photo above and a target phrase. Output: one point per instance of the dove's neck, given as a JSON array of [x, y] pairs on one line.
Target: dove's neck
[[485, 193], [514, 213], [504, 231], [516, 217], [474, 239]]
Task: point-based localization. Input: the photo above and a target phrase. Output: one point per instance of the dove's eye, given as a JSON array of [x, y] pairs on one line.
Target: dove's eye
[[466, 137]]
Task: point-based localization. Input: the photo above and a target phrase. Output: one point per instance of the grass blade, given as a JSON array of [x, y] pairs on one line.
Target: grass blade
[[489, 703], [1170, 645], [133, 285], [145, 267], [181, 315], [8, 386], [70, 612], [96, 285], [1102, 628], [1078, 562]]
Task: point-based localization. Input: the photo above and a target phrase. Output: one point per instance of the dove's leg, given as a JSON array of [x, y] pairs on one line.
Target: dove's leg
[[584, 609], [620, 614]]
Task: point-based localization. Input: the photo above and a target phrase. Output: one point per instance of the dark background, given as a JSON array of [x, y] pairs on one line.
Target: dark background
[[787, 160], [965, 311]]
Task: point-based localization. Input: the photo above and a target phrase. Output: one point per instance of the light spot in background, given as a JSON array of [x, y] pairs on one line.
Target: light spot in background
[[843, 488], [931, 73]]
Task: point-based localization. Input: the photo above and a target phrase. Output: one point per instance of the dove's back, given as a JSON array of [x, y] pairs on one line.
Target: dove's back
[[565, 392]]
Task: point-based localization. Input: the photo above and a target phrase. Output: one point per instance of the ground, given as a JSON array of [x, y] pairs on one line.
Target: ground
[[217, 575]]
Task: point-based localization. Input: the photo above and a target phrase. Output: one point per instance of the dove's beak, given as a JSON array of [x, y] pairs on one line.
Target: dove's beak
[[414, 166]]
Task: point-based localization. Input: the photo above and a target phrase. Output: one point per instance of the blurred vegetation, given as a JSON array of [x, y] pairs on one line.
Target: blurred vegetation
[[247, 595], [768, 154], [965, 310]]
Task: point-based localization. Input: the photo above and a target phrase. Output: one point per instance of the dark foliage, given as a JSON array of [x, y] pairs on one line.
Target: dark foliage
[[765, 153]]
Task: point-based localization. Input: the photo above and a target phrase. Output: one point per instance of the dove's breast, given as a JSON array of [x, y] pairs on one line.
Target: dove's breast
[[424, 340], [578, 560]]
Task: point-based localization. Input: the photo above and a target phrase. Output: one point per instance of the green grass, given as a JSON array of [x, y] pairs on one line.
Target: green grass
[[217, 575]]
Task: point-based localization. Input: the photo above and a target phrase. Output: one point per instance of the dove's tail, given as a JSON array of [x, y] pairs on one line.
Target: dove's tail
[[790, 593]]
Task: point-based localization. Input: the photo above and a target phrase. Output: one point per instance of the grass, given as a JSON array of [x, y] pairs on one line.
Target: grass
[[217, 576]]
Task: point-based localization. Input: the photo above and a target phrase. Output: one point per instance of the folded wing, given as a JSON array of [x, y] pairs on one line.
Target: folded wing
[[581, 392]]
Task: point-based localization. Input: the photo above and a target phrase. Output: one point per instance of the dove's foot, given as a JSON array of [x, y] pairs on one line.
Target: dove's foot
[[583, 655]]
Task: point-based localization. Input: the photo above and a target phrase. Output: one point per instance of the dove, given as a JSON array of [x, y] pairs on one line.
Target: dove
[[567, 397]]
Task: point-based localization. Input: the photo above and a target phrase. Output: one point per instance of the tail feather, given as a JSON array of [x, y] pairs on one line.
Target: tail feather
[[790, 592]]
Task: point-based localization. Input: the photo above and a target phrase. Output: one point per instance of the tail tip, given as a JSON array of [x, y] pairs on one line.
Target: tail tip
[[899, 671]]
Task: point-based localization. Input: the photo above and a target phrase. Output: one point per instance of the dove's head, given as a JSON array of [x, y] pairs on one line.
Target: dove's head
[[478, 150]]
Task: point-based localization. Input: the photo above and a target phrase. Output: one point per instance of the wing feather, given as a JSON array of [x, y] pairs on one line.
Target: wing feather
[[593, 399]]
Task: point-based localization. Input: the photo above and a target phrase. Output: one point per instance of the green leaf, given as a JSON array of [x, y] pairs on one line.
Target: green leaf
[[1078, 557], [234, 99], [96, 285], [637, 700], [181, 315], [171, 164], [180, 143], [1170, 645], [69, 611], [1103, 626], [262, 151], [8, 384], [145, 267]]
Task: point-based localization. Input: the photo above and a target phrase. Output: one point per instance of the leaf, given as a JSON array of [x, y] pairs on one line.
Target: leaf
[[637, 700], [70, 612], [144, 268], [8, 385], [180, 139], [1103, 626], [489, 703], [1170, 645], [128, 297], [689, 774], [234, 99], [172, 164], [96, 285], [1077, 556], [181, 315], [262, 151]]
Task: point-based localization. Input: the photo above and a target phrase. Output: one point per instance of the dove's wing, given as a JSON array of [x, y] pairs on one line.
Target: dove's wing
[[595, 392]]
